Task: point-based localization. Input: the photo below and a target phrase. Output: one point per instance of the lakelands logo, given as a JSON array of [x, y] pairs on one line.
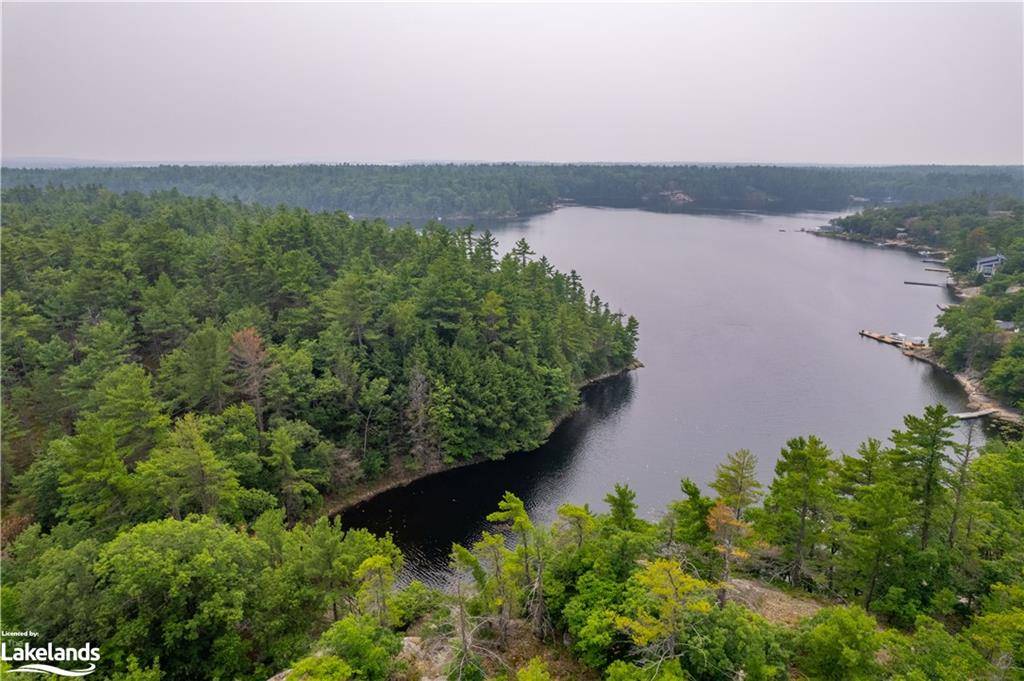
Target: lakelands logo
[[40, 659]]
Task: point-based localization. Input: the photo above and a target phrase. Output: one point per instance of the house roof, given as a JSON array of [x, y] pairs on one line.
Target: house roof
[[997, 258]]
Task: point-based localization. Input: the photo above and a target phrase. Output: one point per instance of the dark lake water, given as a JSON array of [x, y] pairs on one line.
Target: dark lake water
[[749, 336]]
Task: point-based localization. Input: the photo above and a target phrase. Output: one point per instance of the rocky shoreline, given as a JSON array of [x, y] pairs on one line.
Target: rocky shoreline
[[401, 475], [977, 398]]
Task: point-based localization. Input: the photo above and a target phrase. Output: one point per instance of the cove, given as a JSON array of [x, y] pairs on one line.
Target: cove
[[750, 337]]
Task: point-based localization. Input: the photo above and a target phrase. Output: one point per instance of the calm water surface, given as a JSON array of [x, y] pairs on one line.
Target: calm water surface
[[749, 336]]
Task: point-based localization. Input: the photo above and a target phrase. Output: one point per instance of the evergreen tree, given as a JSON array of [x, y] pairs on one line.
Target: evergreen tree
[[736, 481], [622, 504], [196, 374], [923, 452], [798, 502], [186, 476]]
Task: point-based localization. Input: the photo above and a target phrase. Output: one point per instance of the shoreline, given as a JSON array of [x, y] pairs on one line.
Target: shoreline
[[977, 398], [399, 475], [481, 220]]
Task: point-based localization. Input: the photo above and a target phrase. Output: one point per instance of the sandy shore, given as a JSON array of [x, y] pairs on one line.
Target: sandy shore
[[400, 474]]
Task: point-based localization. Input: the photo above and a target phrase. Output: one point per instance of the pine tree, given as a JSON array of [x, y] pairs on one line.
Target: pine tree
[[922, 450], [622, 505], [186, 475], [376, 575], [521, 252], [728, 532], [95, 482], [352, 302], [875, 511], [798, 500], [196, 374], [124, 398], [736, 481]]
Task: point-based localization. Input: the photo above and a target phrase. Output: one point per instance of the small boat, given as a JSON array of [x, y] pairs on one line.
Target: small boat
[[781, 230]]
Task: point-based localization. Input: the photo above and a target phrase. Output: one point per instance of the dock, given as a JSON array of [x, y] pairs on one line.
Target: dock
[[933, 261], [923, 283], [890, 340], [936, 269], [983, 405], [967, 415]]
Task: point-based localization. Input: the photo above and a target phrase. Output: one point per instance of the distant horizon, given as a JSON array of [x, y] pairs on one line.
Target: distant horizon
[[69, 163]]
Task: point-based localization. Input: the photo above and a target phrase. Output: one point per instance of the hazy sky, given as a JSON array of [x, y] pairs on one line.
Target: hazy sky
[[249, 82]]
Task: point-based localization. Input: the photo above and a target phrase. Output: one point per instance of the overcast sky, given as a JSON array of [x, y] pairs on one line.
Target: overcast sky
[[249, 82]]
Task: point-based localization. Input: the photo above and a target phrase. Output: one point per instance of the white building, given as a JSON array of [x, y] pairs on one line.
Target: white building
[[988, 265]]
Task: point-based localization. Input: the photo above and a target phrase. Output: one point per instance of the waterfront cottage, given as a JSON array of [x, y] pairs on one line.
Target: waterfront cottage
[[988, 265]]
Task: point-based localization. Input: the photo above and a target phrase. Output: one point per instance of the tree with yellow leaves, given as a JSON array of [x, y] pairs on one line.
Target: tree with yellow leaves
[[663, 596], [728, 532]]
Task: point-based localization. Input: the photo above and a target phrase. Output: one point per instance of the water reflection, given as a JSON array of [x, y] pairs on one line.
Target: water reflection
[[748, 328], [422, 515]]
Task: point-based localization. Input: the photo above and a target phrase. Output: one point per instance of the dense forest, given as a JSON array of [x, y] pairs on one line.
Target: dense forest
[[911, 554], [185, 379], [510, 190], [165, 355], [977, 335]]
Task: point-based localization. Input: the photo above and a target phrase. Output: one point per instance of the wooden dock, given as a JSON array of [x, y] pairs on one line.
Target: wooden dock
[[936, 269], [934, 261], [889, 340], [924, 283], [967, 415]]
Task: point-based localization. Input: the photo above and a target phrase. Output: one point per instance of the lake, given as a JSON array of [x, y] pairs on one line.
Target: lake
[[749, 337]]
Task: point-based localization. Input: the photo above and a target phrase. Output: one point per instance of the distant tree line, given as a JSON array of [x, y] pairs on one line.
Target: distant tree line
[[509, 190]]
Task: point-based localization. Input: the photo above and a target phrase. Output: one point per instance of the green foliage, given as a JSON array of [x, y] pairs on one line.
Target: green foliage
[[94, 482], [136, 673], [413, 602], [312, 349], [298, 353], [186, 476], [736, 481], [798, 503], [622, 504], [932, 653], [321, 668], [732, 641], [367, 648], [839, 643], [162, 583], [535, 670], [923, 453], [998, 632]]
